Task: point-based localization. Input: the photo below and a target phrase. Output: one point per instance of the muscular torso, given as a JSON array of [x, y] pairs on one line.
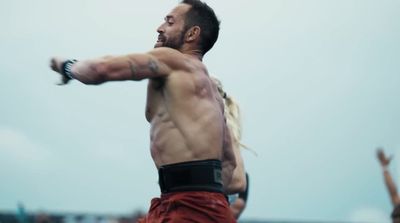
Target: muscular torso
[[186, 119]]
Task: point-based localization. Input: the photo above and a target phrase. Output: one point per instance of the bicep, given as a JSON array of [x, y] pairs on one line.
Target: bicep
[[135, 67]]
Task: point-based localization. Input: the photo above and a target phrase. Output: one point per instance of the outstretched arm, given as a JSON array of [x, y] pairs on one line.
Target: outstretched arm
[[115, 68], [390, 185]]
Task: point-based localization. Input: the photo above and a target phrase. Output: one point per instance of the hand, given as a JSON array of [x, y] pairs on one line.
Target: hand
[[385, 161], [56, 65]]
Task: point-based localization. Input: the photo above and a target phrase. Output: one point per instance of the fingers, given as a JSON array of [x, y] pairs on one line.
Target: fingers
[[55, 64], [380, 154], [64, 81], [383, 159]]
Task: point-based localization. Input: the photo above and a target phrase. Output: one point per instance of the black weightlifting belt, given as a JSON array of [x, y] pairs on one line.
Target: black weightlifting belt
[[203, 175]]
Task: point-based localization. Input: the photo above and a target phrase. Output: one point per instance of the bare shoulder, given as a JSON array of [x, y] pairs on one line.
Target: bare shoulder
[[167, 55], [178, 61], [164, 51]]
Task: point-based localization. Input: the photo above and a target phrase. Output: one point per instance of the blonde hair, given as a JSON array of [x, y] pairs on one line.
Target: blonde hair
[[232, 114]]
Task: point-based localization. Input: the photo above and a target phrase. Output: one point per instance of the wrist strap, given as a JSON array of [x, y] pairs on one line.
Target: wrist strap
[[244, 195], [66, 68]]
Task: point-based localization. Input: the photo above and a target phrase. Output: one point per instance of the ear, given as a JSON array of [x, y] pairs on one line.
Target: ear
[[193, 34]]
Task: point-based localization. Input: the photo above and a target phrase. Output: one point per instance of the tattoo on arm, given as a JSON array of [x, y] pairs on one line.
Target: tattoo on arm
[[133, 70], [152, 66]]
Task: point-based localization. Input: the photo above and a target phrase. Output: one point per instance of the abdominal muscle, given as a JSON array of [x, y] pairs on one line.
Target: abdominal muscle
[[173, 144], [183, 128]]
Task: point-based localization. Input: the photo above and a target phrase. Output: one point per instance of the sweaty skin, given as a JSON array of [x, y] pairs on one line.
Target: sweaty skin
[[187, 122]]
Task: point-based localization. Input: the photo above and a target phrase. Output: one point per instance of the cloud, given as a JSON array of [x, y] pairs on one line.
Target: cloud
[[369, 214], [17, 146]]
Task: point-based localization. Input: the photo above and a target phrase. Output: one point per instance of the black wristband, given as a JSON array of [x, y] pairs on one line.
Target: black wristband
[[244, 195], [66, 68]]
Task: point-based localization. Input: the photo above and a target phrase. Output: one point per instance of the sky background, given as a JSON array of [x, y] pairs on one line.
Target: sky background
[[318, 82]]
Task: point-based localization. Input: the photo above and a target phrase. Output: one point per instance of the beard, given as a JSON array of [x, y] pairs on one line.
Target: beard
[[174, 43]]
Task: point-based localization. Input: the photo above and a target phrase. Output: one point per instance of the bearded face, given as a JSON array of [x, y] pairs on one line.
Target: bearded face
[[173, 41], [171, 32]]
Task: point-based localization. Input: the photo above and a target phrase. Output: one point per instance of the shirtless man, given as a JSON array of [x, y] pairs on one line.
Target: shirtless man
[[190, 143]]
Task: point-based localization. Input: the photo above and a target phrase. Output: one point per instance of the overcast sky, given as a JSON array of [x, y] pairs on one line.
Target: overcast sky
[[318, 82]]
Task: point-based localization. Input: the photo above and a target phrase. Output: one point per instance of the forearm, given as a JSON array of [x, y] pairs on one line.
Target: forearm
[[90, 71], [391, 187], [94, 71], [97, 71]]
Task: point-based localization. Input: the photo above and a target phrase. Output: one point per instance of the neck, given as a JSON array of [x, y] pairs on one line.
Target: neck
[[197, 54], [192, 52]]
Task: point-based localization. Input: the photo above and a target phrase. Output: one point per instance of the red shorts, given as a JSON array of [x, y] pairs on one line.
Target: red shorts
[[189, 206]]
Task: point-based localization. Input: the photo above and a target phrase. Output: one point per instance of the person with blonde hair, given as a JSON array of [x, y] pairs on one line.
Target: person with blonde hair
[[240, 179]]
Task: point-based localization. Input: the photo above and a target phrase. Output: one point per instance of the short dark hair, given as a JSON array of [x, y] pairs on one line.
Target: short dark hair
[[202, 15]]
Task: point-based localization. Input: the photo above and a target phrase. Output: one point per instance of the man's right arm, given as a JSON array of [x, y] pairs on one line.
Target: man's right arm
[[119, 68]]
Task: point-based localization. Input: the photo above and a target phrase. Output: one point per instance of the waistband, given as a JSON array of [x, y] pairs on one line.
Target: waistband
[[202, 175]]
